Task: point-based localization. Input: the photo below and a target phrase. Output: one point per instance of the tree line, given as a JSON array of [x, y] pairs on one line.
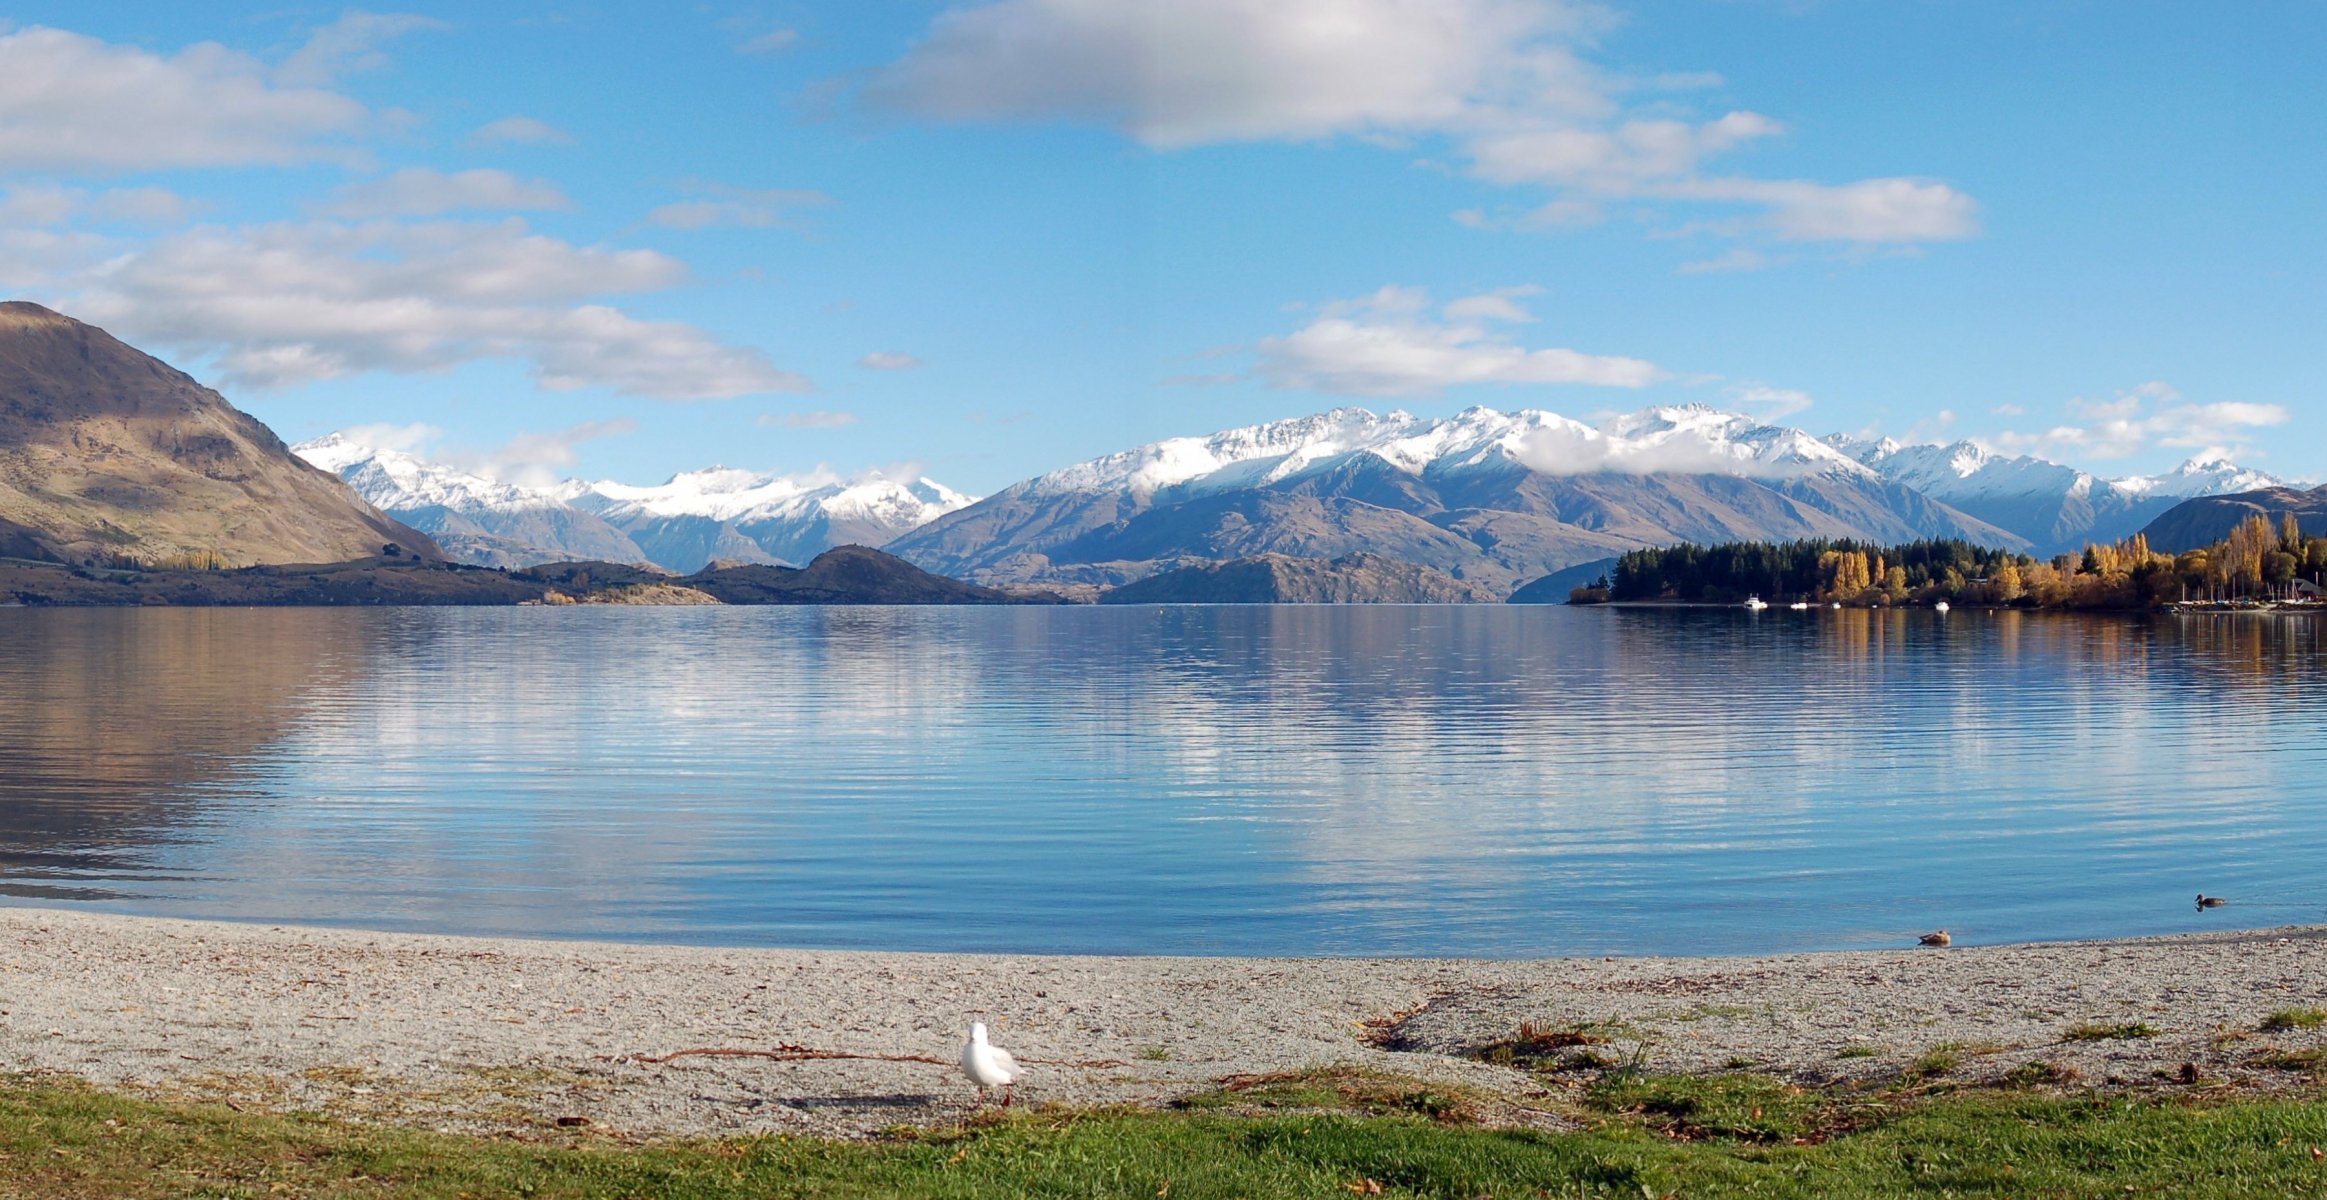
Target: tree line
[[2258, 560]]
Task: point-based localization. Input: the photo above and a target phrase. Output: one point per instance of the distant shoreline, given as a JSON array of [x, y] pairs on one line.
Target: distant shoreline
[[491, 1033]]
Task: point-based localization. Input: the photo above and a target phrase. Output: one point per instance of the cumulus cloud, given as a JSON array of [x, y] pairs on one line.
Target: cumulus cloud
[[71, 103], [348, 45], [523, 131], [888, 360], [806, 420], [746, 208], [291, 303], [1507, 82], [2149, 416], [422, 192], [1393, 344]]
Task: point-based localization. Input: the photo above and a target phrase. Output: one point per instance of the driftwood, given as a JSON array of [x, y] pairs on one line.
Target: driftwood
[[787, 1052]]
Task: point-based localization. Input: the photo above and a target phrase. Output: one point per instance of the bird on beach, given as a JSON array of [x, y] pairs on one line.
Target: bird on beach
[[2206, 901], [989, 1065], [1938, 938]]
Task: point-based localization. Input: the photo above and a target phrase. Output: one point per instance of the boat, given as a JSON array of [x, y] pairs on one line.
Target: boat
[[1939, 607], [1756, 603], [1800, 606]]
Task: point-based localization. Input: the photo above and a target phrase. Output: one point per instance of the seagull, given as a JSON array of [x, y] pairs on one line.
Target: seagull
[[2206, 901], [1937, 939], [989, 1065]]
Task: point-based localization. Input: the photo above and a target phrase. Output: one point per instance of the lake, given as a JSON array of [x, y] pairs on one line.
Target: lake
[[1498, 781]]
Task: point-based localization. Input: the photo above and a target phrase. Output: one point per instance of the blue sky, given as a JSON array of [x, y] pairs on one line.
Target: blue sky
[[987, 239]]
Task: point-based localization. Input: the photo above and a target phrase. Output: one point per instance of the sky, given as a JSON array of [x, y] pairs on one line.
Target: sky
[[987, 239]]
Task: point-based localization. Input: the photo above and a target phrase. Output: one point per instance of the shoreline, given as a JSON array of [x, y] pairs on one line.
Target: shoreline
[[475, 1033]]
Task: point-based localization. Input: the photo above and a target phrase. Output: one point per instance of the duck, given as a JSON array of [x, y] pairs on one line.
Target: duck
[[1936, 938], [2206, 901], [989, 1065]]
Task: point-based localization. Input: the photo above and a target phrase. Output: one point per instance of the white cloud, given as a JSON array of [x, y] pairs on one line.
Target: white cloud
[[2151, 415], [738, 207], [1869, 211], [1237, 70], [290, 303], [38, 204], [540, 459], [888, 360], [806, 420], [1390, 344], [1739, 258], [773, 42], [348, 45], [1770, 403], [35, 205], [1505, 81], [1499, 305], [423, 192], [518, 131], [74, 103], [408, 439], [1614, 162]]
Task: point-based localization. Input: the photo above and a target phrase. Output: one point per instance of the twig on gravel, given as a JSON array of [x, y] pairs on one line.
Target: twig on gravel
[[787, 1052]]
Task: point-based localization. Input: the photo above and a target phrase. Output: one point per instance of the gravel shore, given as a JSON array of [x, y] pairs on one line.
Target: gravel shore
[[503, 1034]]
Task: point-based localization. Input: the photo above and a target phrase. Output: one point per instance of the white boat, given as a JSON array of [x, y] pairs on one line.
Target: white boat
[[1939, 607], [1756, 603], [1838, 606], [1800, 606]]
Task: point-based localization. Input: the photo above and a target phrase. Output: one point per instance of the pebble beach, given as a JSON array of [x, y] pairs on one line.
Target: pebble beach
[[501, 1035]]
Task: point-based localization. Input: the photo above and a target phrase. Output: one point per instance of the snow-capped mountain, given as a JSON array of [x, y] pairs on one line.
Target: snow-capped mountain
[[2201, 477], [1493, 497], [2058, 508], [475, 519], [680, 525], [699, 516]]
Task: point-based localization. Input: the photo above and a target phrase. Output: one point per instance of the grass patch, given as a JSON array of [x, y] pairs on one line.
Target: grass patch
[[1934, 1063], [1716, 1137], [2127, 1032], [1859, 1050], [2313, 1059], [1341, 1089], [2287, 1020], [2042, 1074], [1555, 1048]]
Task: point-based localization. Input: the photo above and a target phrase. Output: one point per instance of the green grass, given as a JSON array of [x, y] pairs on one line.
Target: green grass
[[2109, 1033], [1722, 1136], [2287, 1019]]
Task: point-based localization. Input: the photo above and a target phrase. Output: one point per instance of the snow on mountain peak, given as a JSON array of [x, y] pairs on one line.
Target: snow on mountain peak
[[1693, 438], [394, 481]]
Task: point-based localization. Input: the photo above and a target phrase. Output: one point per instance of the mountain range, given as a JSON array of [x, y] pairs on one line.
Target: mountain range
[[1491, 498], [694, 519], [108, 455]]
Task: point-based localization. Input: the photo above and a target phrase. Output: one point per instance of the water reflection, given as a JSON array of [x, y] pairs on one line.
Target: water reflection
[[1338, 780]]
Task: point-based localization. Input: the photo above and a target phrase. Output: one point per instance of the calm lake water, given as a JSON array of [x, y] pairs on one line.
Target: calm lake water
[[1501, 781]]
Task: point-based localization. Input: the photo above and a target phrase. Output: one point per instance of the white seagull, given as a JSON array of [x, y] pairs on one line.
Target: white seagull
[[989, 1065]]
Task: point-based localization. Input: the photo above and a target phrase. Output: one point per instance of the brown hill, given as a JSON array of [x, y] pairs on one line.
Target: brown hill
[[108, 454], [2209, 519]]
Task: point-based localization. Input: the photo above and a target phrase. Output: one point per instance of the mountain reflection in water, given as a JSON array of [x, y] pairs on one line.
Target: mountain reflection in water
[[1498, 781]]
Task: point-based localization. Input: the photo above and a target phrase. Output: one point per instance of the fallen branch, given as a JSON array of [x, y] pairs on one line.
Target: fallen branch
[[787, 1052]]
